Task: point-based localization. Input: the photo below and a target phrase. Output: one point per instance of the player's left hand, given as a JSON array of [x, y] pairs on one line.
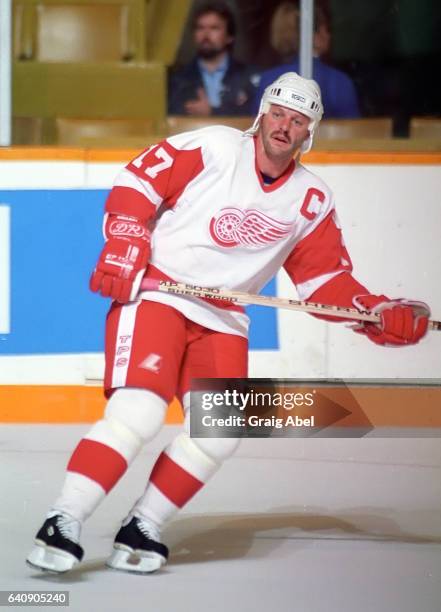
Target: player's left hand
[[403, 322]]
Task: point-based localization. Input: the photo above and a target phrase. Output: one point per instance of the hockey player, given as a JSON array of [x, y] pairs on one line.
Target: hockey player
[[212, 207]]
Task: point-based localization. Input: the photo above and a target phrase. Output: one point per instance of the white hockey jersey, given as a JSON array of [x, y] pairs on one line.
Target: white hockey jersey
[[217, 224]]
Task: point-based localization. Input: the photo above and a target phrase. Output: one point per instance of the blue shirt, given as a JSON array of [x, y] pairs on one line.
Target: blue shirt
[[339, 96], [212, 80]]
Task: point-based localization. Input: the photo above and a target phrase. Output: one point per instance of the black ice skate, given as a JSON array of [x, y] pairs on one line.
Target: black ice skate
[[137, 547], [56, 544]]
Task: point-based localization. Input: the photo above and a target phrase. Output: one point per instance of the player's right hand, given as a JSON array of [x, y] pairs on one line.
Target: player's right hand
[[123, 260], [402, 322]]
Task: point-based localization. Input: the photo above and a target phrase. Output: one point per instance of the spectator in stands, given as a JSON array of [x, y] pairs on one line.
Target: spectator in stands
[[338, 91], [214, 83]]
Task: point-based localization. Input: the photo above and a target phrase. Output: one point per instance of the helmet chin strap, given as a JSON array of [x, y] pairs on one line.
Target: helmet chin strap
[[307, 144]]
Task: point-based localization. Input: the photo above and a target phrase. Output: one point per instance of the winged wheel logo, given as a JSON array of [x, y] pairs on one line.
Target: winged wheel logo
[[232, 227]]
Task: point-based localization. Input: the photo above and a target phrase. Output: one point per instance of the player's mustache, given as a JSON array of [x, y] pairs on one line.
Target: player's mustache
[[282, 134]]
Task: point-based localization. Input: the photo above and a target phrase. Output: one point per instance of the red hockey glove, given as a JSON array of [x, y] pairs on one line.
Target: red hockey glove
[[402, 321], [123, 260]]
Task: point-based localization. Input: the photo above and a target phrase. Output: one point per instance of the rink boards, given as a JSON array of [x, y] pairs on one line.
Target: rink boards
[[51, 326]]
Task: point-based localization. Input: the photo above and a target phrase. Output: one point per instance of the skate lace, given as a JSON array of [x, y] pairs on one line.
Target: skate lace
[[69, 528], [147, 530]]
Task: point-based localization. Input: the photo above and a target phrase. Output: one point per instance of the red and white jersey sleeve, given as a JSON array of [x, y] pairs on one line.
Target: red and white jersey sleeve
[[218, 225], [319, 255], [158, 175]]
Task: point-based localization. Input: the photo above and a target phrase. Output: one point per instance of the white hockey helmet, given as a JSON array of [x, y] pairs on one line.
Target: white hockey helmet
[[297, 93]]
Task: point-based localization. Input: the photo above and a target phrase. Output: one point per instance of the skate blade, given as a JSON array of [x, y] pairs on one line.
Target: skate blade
[[135, 562], [51, 560]]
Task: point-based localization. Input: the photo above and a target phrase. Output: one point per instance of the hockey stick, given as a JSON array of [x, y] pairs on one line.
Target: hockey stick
[[239, 297]]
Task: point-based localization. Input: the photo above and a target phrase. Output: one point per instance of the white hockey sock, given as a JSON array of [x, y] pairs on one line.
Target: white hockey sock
[[132, 417], [79, 496], [180, 471]]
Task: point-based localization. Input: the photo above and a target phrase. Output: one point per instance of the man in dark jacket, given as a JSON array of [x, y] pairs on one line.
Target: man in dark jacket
[[214, 83]]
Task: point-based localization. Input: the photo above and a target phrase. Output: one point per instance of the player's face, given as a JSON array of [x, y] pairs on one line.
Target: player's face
[[210, 35], [283, 131]]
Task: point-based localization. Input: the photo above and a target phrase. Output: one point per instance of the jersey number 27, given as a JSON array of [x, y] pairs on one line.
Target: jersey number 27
[[141, 162]]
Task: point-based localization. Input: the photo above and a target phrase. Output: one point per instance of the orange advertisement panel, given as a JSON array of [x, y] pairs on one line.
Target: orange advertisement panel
[[383, 406]]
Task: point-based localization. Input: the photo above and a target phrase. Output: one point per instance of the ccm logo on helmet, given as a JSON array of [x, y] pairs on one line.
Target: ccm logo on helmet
[[297, 97]]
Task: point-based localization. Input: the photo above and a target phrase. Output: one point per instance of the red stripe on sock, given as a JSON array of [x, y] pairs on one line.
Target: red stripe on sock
[[174, 482], [98, 462]]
